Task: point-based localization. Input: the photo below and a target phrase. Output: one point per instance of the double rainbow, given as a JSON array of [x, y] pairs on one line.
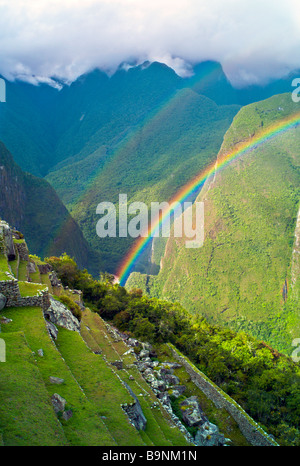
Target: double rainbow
[[196, 183]]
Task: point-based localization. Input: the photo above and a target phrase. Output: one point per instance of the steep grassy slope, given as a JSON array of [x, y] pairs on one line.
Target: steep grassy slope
[[239, 274], [92, 388], [94, 384], [31, 205]]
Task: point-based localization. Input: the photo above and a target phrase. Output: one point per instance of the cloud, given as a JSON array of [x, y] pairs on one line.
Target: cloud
[[253, 39]]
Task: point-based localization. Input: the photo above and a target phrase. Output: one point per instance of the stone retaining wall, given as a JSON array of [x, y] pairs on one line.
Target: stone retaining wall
[[22, 251], [10, 289], [251, 430]]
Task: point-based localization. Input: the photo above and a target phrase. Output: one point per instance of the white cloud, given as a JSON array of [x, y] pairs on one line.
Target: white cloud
[[253, 39]]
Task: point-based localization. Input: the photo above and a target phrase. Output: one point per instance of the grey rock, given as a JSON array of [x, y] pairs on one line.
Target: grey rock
[[144, 354], [31, 268], [178, 390], [56, 380], [52, 329], [67, 414], [146, 346], [40, 352], [170, 379], [44, 268], [58, 403], [192, 414], [132, 342], [7, 235], [170, 365], [134, 411], [142, 366], [54, 280], [208, 435], [2, 301], [118, 364], [60, 315], [5, 320]]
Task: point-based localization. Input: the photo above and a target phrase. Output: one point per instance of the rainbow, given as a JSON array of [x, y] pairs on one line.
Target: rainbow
[[196, 183]]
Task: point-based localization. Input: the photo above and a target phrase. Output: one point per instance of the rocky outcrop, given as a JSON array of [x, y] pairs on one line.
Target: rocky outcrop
[[58, 402], [58, 314], [252, 431], [44, 268], [165, 384], [8, 246], [295, 269], [207, 434], [134, 411], [52, 329]]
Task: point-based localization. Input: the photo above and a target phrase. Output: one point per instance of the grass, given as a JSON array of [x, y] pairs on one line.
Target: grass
[[30, 289], [22, 272], [14, 267], [159, 426], [19, 241], [86, 427], [100, 384], [4, 268], [26, 415], [46, 281]]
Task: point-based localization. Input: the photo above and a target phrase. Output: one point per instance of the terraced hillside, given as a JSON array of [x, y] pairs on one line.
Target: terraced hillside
[[93, 390], [78, 381]]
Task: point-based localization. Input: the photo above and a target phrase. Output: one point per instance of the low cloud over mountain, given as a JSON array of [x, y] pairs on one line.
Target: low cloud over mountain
[[254, 40]]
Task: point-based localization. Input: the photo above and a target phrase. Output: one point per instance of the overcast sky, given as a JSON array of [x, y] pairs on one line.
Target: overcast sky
[[253, 39]]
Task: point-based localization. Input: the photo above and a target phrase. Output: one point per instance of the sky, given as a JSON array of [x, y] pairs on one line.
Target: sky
[[254, 40]]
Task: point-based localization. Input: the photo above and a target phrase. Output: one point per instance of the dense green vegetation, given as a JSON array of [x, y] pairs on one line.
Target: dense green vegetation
[[149, 163], [238, 276], [264, 382], [144, 132]]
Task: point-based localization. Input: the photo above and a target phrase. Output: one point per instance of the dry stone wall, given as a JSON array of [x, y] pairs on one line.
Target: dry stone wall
[[10, 289], [255, 435]]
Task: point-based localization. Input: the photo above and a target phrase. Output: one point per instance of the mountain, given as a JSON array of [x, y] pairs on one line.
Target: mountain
[[245, 275], [143, 131], [31, 205], [155, 159]]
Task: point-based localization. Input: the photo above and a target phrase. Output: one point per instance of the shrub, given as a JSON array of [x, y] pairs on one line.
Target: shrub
[[74, 308]]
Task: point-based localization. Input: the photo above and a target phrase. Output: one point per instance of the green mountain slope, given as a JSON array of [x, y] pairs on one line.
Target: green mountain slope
[[150, 164], [242, 276], [121, 131], [31, 205]]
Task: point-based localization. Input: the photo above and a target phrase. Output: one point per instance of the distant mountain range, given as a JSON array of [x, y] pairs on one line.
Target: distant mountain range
[[144, 132]]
